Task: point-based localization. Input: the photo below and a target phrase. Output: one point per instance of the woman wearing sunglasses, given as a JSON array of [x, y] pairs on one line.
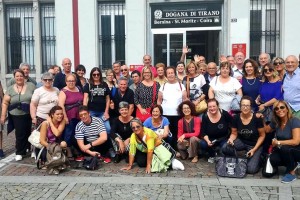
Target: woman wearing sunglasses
[[143, 141], [279, 65], [96, 97], [270, 91], [286, 143]]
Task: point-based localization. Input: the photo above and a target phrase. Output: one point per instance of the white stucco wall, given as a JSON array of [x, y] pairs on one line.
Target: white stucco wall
[[88, 37], [64, 30], [290, 39], [135, 31], [239, 31]]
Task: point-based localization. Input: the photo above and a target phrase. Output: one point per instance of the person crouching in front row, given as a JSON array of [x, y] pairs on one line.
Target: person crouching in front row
[[91, 135]]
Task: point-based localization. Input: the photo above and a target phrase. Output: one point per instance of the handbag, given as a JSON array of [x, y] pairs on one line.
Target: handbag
[[201, 107], [91, 163], [138, 113], [232, 167], [235, 103], [141, 116], [268, 170], [34, 138]]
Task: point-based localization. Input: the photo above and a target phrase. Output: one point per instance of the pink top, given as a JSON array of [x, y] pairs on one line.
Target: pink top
[[73, 98]]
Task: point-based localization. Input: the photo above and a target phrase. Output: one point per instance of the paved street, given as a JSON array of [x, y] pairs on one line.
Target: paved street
[[22, 180]]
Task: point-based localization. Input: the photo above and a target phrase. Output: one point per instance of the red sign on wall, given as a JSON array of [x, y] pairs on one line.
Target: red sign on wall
[[239, 48]]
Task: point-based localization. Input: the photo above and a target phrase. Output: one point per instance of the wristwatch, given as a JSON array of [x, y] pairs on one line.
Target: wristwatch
[[278, 144]]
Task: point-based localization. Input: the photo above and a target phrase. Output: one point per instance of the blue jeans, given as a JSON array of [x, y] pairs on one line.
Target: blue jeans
[[211, 150], [100, 116], [69, 131]]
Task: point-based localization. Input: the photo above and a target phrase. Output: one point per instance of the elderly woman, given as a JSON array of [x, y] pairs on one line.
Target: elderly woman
[[224, 87], [146, 94], [158, 123], [80, 71], [161, 79], [251, 82], [121, 131], [17, 102], [143, 141], [215, 129], [193, 83], [51, 131], [279, 65], [43, 99], [247, 134], [188, 131], [170, 95], [70, 98], [96, 97], [270, 91], [286, 143], [111, 80]]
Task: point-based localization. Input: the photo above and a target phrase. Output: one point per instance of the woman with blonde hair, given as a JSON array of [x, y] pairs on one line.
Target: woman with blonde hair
[[146, 94], [279, 65], [270, 90], [193, 83], [286, 143]]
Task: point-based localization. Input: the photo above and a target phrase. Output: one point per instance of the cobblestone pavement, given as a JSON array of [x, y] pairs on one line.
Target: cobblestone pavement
[[22, 180]]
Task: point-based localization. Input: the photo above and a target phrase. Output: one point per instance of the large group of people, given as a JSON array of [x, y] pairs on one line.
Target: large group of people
[[129, 115]]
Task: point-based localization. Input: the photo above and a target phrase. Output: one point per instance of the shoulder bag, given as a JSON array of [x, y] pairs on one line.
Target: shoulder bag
[[34, 138]]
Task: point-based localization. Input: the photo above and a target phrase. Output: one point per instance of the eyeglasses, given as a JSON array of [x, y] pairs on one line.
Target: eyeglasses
[[279, 108], [186, 108], [245, 106], [124, 70], [277, 63], [268, 70], [97, 74], [135, 127], [71, 81], [47, 80]]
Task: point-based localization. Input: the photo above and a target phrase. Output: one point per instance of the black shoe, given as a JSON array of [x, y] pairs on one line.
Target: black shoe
[[117, 158]]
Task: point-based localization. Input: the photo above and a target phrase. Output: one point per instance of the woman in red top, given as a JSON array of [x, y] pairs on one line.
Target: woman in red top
[[188, 131]]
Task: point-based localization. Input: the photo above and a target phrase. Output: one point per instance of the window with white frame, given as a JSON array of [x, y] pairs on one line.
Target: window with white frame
[[48, 32], [111, 29], [19, 36]]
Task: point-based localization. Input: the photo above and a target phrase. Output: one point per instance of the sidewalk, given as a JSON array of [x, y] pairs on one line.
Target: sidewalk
[[22, 180]]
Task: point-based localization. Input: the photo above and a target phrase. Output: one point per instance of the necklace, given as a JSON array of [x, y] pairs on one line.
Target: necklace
[[251, 83]]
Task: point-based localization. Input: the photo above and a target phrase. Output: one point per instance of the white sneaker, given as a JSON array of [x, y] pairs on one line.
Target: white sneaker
[[18, 157], [33, 155], [211, 160]]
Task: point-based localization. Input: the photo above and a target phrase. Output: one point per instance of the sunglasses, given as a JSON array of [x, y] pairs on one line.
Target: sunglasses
[[47, 80], [135, 127], [277, 63], [279, 108], [268, 70], [94, 75], [124, 70]]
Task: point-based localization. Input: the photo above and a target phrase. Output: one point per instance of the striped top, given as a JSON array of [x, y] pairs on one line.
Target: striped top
[[90, 132]]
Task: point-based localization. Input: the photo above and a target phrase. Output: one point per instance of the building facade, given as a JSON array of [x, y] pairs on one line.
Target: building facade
[[97, 33]]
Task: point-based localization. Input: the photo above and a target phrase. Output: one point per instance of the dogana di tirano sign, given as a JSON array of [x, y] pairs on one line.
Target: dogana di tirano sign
[[178, 15]]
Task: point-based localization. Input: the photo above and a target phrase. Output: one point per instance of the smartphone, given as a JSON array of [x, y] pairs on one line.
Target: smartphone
[[247, 154]]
